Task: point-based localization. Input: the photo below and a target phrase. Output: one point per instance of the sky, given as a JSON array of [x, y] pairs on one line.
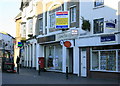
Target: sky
[[8, 11]]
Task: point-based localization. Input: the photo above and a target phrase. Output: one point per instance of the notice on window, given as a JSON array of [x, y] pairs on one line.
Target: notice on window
[[62, 20]]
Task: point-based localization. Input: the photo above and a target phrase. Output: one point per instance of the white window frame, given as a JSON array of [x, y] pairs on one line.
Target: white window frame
[[40, 27], [73, 14], [30, 25], [23, 32], [52, 21]]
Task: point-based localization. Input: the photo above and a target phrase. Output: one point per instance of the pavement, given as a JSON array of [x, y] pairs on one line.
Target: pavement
[[30, 76]]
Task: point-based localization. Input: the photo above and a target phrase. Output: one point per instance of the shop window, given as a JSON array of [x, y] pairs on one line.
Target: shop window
[[108, 60], [53, 57], [105, 60], [98, 26], [95, 60]]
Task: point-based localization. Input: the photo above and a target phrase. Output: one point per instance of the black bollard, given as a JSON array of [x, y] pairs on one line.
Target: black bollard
[[39, 70], [66, 72], [18, 68]]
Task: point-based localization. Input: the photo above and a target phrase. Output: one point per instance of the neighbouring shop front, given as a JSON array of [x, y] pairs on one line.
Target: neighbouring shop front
[[100, 58], [105, 61]]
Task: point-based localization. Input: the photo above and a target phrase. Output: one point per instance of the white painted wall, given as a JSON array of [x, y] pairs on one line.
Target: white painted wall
[[108, 12], [76, 60], [64, 54]]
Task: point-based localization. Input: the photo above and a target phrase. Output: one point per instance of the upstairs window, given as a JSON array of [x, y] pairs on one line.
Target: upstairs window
[[98, 3], [30, 26], [23, 34], [98, 26], [73, 14], [52, 17], [41, 25], [52, 20]]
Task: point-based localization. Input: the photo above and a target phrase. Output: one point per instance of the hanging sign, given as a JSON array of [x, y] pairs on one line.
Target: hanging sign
[[19, 44], [67, 44], [110, 25]]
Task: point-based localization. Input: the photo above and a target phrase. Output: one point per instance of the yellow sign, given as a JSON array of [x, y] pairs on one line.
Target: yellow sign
[[61, 21]]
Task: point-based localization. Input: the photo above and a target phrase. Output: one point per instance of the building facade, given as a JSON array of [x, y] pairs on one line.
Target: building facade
[[93, 32], [99, 47], [6, 46]]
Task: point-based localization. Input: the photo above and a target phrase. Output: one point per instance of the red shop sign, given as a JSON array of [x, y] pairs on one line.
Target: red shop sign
[[67, 44]]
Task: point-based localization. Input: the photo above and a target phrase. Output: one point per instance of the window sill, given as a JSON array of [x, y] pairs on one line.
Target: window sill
[[73, 22], [98, 7], [104, 71]]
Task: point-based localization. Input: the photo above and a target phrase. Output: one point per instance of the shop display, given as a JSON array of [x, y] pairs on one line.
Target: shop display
[[53, 57], [95, 60], [107, 59]]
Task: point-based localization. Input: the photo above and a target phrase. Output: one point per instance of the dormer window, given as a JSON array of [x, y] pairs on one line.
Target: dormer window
[[98, 3]]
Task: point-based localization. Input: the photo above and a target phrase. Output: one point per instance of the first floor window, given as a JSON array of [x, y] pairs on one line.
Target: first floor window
[[52, 20], [41, 24], [30, 26], [73, 14], [98, 26], [98, 3], [23, 30], [105, 60]]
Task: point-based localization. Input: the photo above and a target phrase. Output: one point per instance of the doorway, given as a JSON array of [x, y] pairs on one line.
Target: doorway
[[83, 63], [70, 60]]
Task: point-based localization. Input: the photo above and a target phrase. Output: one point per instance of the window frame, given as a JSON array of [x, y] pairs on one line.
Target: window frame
[[73, 14], [97, 29], [99, 56], [30, 26], [40, 27], [98, 3]]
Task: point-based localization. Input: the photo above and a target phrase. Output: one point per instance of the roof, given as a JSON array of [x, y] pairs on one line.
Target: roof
[[18, 16], [6, 34]]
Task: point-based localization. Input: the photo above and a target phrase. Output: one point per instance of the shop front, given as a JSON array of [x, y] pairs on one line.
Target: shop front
[[99, 57], [52, 52], [56, 55], [105, 62]]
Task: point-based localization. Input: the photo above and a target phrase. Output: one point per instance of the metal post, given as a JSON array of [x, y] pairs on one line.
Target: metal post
[[66, 72], [39, 70], [18, 68]]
